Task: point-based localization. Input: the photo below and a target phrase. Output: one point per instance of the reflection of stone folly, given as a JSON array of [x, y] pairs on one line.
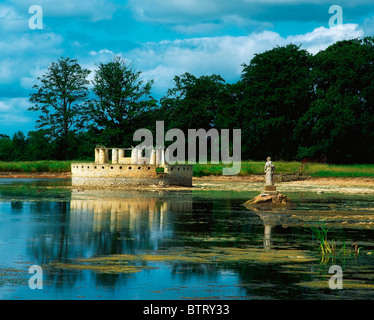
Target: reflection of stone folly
[[137, 219]]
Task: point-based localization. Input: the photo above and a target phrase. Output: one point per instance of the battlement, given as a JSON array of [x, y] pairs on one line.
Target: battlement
[[131, 155]]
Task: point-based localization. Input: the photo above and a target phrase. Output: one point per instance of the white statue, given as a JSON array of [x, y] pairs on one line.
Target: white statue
[[269, 170]]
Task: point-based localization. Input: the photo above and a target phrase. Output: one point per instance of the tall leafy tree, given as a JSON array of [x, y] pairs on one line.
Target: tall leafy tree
[[19, 146], [230, 112], [122, 98], [276, 90], [40, 146], [61, 97], [193, 102], [340, 122], [6, 148]]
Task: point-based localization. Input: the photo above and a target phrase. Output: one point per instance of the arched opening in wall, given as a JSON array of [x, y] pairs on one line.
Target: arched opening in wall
[[149, 168], [95, 167], [88, 167], [139, 168], [120, 167], [103, 167], [130, 168], [111, 167]]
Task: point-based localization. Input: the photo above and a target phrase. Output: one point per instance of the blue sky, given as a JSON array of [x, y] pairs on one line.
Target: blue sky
[[162, 38]]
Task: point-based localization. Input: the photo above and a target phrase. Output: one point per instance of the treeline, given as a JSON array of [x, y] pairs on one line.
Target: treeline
[[288, 103]]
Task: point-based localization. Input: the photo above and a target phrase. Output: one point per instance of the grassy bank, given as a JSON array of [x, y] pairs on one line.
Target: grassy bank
[[247, 168], [310, 169], [338, 171], [36, 166]]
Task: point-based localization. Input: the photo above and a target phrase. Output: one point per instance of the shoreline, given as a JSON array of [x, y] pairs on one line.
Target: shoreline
[[37, 175], [338, 181]]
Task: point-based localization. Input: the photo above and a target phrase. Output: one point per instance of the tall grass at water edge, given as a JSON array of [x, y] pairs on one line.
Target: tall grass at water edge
[[294, 167], [246, 168], [332, 170], [36, 166]]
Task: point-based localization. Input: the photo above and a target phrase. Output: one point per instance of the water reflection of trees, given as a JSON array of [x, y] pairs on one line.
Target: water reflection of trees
[[50, 236]]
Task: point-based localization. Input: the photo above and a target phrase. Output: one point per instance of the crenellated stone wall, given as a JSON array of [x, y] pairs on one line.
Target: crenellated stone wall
[[140, 169], [105, 174]]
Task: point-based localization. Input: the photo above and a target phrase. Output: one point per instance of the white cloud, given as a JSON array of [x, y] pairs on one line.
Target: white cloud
[[94, 10], [30, 43], [11, 20], [321, 38], [29, 81], [22, 49], [12, 111], [101, 52], [220, 55], [21, 53]]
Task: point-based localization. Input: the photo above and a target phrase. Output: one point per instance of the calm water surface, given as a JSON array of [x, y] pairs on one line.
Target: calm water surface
[[46, 223]]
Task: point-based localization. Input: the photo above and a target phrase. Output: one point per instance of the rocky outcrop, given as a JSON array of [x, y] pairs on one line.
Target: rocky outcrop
[[269, 199]]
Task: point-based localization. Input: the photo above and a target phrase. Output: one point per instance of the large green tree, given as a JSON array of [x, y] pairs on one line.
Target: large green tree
[[339, 124], [40, 146], [193, 102], [274, 92], [6, 148], [19, 146], [121, 99], [61, 96]]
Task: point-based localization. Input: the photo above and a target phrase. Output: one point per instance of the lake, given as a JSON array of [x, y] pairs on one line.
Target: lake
[[198, 243]]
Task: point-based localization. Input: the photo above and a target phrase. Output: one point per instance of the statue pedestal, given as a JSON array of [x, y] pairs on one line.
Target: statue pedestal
[[269, 197], [272, 190]]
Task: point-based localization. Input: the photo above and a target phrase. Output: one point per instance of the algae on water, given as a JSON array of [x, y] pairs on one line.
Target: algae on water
[[128, 263]]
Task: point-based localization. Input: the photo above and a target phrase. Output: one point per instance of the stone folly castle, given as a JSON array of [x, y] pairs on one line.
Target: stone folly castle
[[130, 167]]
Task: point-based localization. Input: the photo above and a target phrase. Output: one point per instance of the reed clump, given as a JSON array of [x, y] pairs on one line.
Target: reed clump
[[328, 248]]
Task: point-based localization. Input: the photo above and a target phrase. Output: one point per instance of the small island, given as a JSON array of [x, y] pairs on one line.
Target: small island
[[270, 195]]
